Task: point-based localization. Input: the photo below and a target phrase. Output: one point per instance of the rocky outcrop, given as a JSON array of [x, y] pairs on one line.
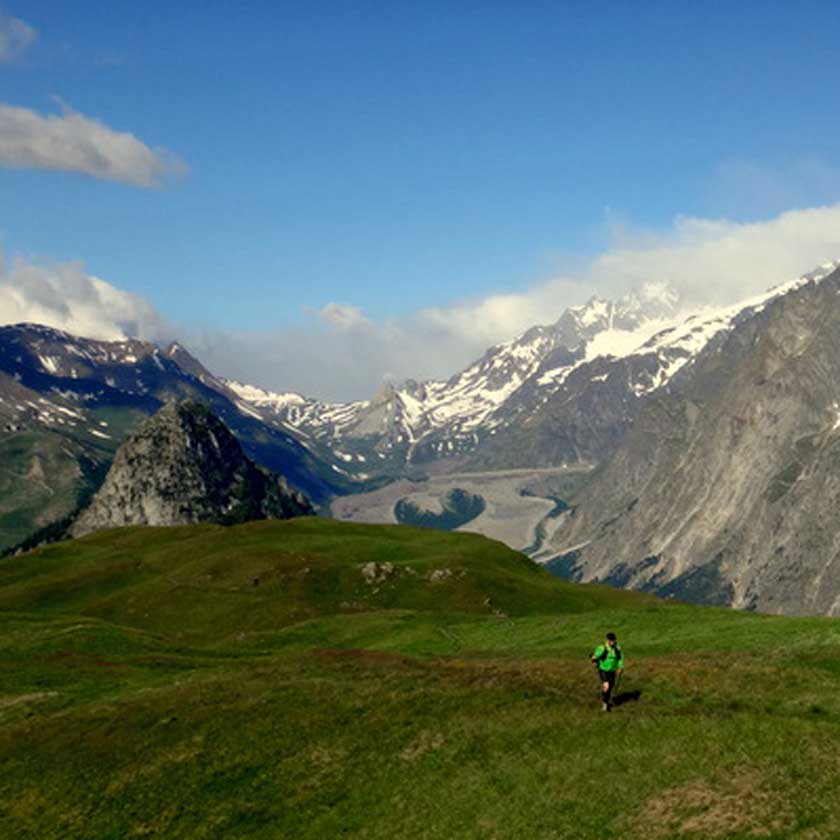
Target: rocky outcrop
[[183, 467]]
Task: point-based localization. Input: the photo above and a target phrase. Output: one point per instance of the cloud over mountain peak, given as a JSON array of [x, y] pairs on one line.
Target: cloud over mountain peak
[[65, 297]]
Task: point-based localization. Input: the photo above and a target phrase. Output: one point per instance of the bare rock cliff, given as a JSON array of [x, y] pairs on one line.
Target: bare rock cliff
[[726, 490]]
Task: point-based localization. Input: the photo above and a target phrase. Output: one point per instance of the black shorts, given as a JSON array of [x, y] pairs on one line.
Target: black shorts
[[607, 677]]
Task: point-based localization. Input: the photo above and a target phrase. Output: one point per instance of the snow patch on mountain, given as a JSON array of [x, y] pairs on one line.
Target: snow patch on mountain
[[679, 344], [262, 398], [621, 343]]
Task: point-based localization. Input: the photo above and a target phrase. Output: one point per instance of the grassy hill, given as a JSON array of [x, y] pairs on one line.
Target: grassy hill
[[311, 679]]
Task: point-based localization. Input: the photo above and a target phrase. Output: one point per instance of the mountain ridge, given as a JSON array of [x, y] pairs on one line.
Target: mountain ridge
[[724, 490], [575, 387], [438, 420]]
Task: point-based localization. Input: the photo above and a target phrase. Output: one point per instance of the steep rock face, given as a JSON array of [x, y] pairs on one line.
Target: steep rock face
[[581, 421], [726, 488], [184, 466]]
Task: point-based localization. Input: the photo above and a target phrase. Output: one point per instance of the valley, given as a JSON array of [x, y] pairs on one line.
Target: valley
[[520, 506]]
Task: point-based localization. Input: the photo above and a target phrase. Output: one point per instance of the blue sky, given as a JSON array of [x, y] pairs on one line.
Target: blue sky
[[395, 157]]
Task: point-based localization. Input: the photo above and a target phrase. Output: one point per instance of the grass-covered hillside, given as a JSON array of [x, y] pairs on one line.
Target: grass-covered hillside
[[309, 679]]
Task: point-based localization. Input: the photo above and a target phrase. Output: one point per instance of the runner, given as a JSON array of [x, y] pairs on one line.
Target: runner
[[609, 660]]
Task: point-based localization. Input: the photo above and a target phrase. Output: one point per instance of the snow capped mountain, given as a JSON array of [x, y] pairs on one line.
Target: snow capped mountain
[[418, 422], [294, 409], [725, 490], [558, 395], [681, 343], [129, 366], [562, 393], [577, 409]]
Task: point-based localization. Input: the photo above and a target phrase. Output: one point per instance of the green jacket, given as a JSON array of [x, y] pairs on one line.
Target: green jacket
[[608, 658]]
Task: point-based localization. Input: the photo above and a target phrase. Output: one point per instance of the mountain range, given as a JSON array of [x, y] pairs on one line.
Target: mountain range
[[67, 403], [635, 442], [451, 424], [559, 395]]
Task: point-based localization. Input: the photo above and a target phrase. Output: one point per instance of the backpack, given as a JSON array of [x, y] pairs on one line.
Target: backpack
[[606, 652]]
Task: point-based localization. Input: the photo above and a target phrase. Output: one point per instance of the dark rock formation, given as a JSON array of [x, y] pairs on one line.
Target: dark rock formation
[[185, 466]]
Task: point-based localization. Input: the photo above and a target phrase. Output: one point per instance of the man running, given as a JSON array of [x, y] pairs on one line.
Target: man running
[[609, 661]]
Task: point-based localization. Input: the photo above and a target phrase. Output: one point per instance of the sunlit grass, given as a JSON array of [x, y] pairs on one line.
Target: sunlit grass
[[149, 688]]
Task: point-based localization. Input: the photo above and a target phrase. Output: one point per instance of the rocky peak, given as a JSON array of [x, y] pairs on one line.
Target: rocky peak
[[185, 466], [653, 300], [384, 396], [415, 389], [189, 364]]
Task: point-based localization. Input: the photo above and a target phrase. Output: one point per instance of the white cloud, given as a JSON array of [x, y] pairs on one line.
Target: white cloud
[[342, 354], [341, 316], [345, 355], [75, 143], [500, 317], [717, 261], [64, 297], [16, 37]]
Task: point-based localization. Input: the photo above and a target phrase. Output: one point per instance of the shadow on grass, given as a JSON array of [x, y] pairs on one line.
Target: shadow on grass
[[626, 697]]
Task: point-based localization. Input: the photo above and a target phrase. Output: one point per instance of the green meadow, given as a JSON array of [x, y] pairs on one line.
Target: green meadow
[[311, 679]]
